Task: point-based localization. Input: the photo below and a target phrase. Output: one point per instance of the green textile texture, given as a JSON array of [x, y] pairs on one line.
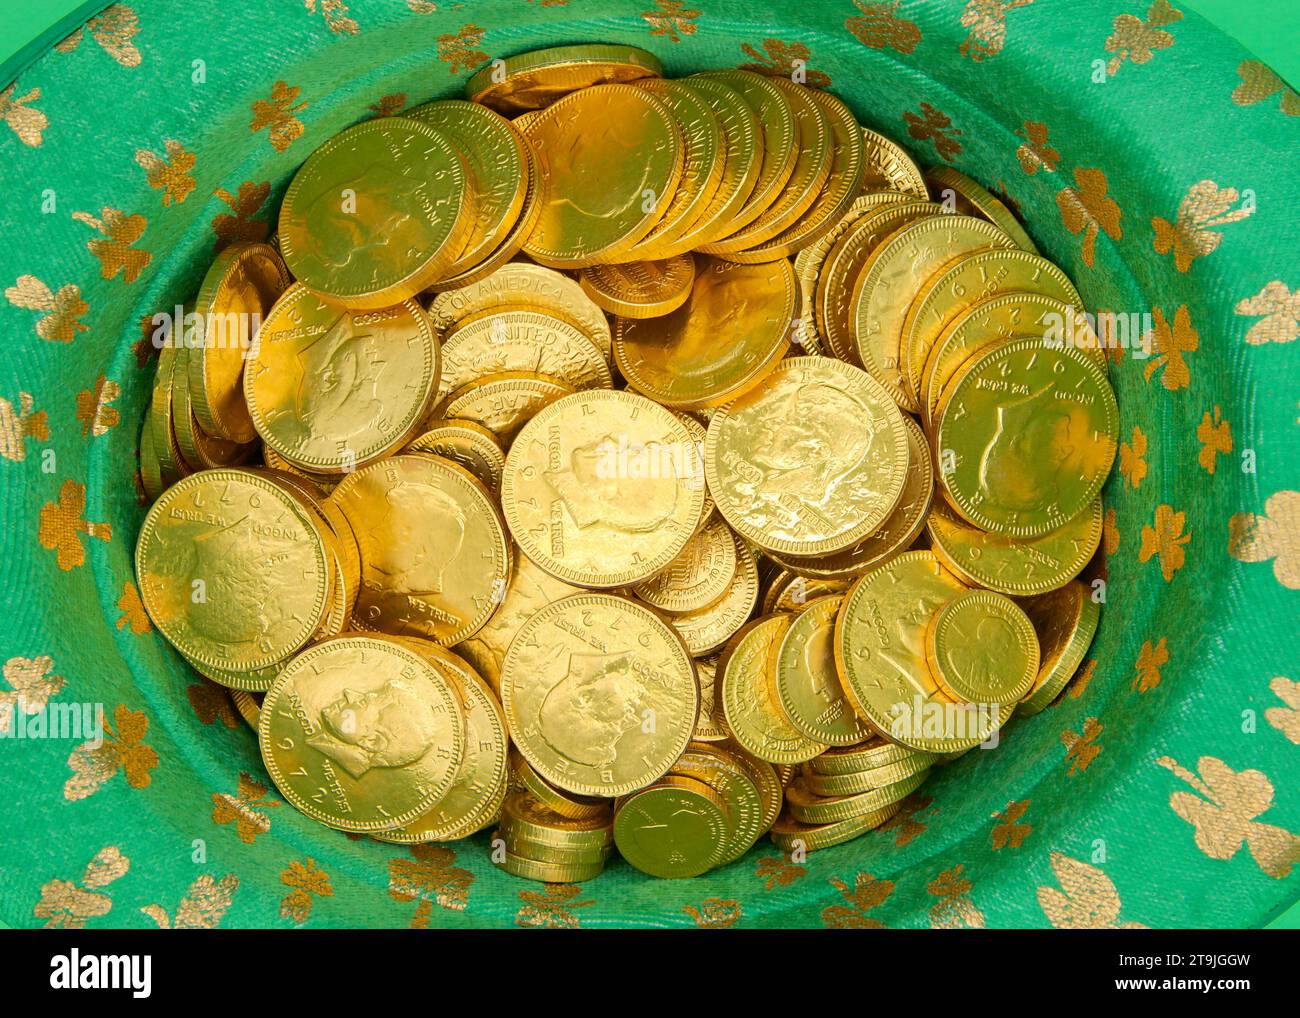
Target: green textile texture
[[1147, 153]]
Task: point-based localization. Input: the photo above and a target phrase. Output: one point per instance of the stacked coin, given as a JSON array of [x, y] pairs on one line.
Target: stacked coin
[[613, 461], [537, 843]]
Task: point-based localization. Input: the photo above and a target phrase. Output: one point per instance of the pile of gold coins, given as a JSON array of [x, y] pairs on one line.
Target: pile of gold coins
[[610, 462]]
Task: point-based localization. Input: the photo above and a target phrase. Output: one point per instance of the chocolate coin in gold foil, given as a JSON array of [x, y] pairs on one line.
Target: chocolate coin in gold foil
[[641, 289], [958, 192], [677, 359], [476, 794], [807, 686], [809, 461], [996, 320], [466, 444], [502, 402], [498, 164], [1010, 566], [232, 570], [894, 535], [534, 80], [524, 286], [330, 389], [779, 133], [813, 159], [884, 291], [601, 151], [1065, 620], [1025, 438], [603, 488], [880, 653], [844, 264], [676, 829], [600, 694], [238, 292], [890, 168], [378, 213], [707, 629], [749, 700], [981, 648], [362, 734], [435, 560], [965, 282], [742, 165], [513, 340], [696, 578], [705, 155], [530, 589]]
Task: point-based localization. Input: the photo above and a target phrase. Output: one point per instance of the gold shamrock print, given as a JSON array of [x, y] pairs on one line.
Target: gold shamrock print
[[1108, 335], [429, 877], [95, 413], [1150, 660], [1215, 436], [866, 894], [1137, 40], [715, 913], [1273, 536], [1036, 154], [1079, 685], [30, 687], [335, 13], [1192, 235], [1223, 812], [778, 871], [211, 703], [203, 907], [20, 423], [1110, 535], [987, 21], [1086, 900], [132, 609], [782, 60], [672, 20], [114, 30], [1285, 719], [1260, 82], [1278, 310], [954, 910], [278, 115], [904, 823], [244, 808], [1088, 209], [143, 347], [306, 882], [115, 247], [1168, 346], [879, 26], [243, 225], [64, 309], [1080, 747], [62, 524], [23, 118], [1009, 832], [1165, 538], [70, 905], [551, 908], [122, 750], [461, 50], [1132, 459], [388, 105], [935, 126], [168, 173]]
